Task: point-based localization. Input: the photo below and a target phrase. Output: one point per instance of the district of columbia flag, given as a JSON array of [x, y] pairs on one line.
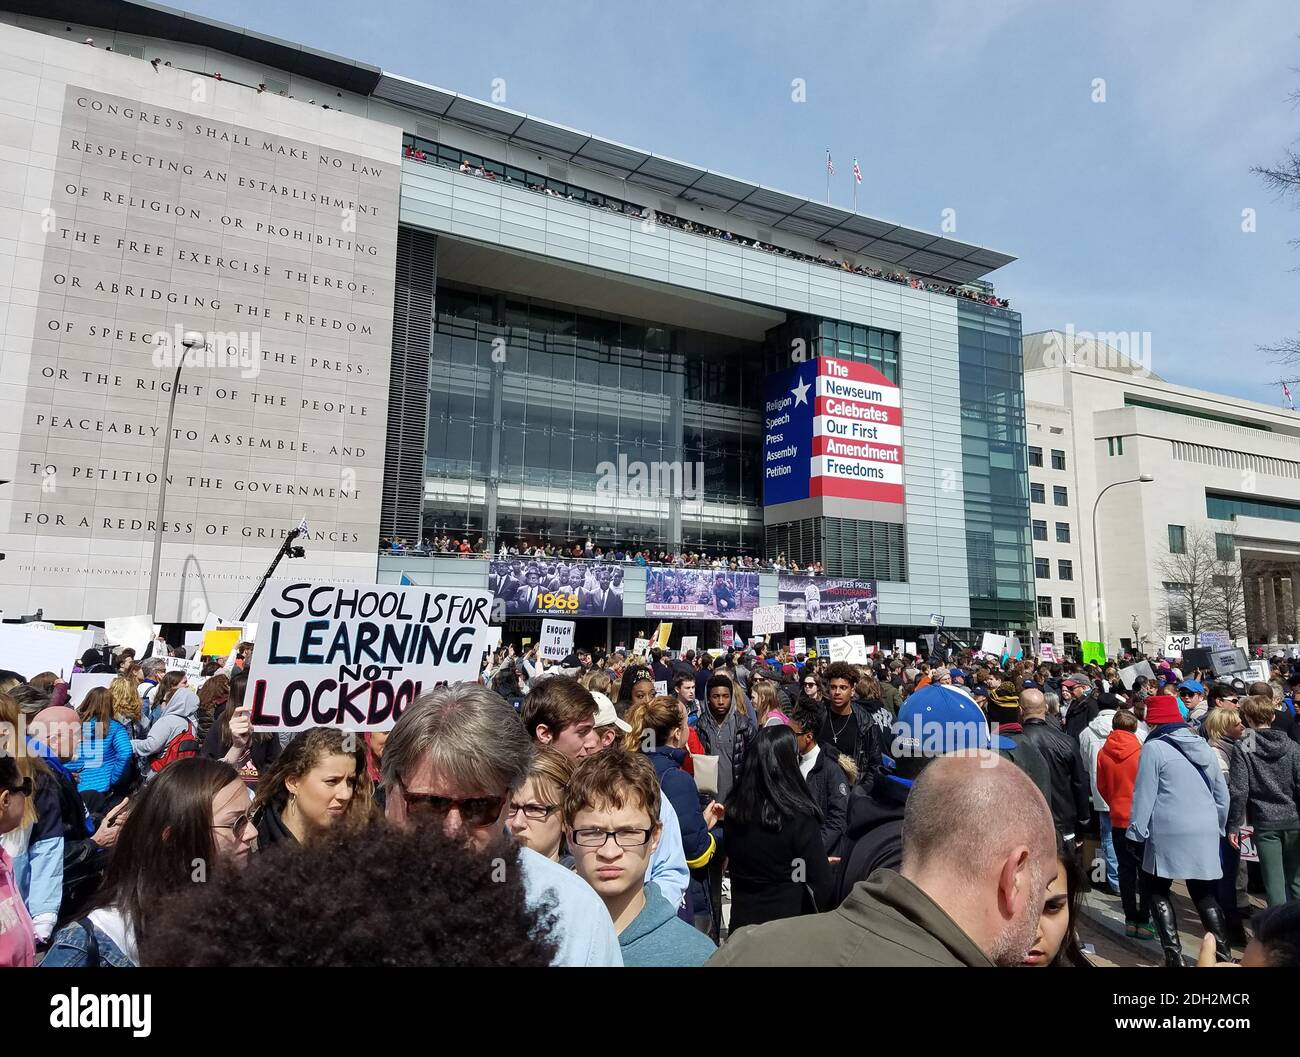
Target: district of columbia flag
[[857, 173], [1286, 392]]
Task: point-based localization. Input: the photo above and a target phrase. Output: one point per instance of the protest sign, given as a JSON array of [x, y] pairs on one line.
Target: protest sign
[[910, 649], [1214, 640], [661, 688], [192, 669], [640, 646], [662, 634], [354, 656], [798, 646], [1130, 674], [130, 632], [30, 650], [993, 645], [557, 639], [1047, 652], [1092, 652], [823, 647], [220, 642], [839, 649], [1248, 848], [1175, 644], [769, 620], [858, 653], [493, 638], [688, 643], [193, 640], [1259, 672], [82, 684], [728, 636]]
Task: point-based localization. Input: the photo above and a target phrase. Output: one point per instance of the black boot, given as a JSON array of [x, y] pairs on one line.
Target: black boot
[[1162, 915], [1213, 920]]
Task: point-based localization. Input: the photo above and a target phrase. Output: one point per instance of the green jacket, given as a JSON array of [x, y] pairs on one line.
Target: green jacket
[[891, 696], [885, 921]]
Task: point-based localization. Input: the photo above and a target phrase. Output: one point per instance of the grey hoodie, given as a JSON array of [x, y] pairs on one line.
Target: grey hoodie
[[1264, 780], [180, 711]]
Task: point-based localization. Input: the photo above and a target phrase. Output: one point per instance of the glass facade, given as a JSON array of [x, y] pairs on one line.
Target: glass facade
[[529, 399], [1228, 507], [994, 468]]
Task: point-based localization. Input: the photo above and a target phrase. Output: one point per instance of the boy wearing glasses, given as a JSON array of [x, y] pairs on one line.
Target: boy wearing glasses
[[611, 820]]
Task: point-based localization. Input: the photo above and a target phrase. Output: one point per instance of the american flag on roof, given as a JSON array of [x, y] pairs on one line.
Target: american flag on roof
[[857, 173]]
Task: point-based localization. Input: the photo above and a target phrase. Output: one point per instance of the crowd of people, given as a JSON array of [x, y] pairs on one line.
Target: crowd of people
[[446, 544], [416, 153], [739, 807]]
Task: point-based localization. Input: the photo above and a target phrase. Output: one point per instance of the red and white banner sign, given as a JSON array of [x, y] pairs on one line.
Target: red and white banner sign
[[857, 433]]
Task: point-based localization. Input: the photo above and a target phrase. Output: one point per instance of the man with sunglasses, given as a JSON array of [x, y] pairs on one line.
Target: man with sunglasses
[[452, 760], [17, 934]]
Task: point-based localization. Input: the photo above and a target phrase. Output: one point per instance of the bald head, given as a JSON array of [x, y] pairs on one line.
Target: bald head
[[978, 839], [1032, 704]]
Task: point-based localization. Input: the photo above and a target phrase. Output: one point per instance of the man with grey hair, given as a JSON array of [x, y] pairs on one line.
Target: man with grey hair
[[452, 760], [978, 853]]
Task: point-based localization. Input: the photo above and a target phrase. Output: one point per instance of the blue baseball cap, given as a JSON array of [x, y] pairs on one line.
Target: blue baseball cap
[[939, 719], [1193, 685]]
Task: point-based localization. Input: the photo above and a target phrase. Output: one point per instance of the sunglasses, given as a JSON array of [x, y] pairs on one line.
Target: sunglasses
[[23, 788], [475, 810], [239, 827]]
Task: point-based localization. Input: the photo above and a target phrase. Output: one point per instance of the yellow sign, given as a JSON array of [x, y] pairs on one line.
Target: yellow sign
[[220, 642], [661, 636]]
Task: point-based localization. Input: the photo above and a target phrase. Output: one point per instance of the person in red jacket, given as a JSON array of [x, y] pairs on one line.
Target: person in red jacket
[[1117, 768]]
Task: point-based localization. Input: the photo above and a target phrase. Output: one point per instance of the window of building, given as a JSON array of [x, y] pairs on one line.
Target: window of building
[[1225, 546], [1060, 495], [1229, 508], [1035, 456], [1114, 445], [1044, 605], [1037, 493], [1070, 643], [1175, 607], [1062, 532], [1042, 569], [1177, 539], [1064, 569], [1058, 459], [1040, 531], [1067, 608]]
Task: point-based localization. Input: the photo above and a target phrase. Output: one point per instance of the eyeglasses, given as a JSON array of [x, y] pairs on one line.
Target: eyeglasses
[[796, 731], [23, 788], [239, 827], [475, 810], [811, 683], [598, 838], [536, 812]]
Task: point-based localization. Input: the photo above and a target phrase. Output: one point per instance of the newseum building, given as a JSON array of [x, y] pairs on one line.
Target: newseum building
[[398, 312]]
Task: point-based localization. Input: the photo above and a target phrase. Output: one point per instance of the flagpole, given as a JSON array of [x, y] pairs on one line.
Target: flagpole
[[828, 177]]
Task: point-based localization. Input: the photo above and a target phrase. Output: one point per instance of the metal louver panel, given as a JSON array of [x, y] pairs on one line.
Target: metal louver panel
[[408, 385]]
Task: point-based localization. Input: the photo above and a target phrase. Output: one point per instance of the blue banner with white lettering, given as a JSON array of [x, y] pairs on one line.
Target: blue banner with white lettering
[[788, 426]]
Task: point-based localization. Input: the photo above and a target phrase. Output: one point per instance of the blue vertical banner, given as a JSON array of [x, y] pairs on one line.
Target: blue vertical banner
[[788, 398]]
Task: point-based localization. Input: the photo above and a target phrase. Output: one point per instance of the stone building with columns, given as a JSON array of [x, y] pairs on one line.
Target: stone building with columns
[[1223, 470]]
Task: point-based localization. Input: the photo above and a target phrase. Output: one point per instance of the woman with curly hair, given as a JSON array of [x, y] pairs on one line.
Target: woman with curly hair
[[319, 783], [126, 706], [213, 695], [386, 897]]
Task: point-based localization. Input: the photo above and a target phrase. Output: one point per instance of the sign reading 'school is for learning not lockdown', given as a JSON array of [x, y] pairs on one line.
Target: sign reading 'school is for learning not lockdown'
[[355, 656]]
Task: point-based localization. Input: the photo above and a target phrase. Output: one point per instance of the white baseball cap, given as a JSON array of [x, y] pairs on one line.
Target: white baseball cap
[[607, 714]]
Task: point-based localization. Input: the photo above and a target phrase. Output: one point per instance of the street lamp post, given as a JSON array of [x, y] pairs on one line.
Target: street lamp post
[[1145, 478], [190, 341]]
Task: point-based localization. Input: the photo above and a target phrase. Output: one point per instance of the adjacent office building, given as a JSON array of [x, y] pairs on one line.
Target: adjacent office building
[[468, 320], [1224, 500]]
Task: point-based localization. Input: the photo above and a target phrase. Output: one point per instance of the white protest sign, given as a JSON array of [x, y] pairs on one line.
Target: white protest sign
[[1175, 644], [640, 646], [1047, 652], [688, 644], [30, 650], [354, 656], [1130, 674], [82, 684], [839, 649], [993, 645], [493, 638], [193, 640], [858, 650], [557, 639], [130, 632], [661, 688], [192, 669], [898, 645], [798, 646], [1259, 672], [1214, 640], [769, 620], [1249, 851], [910, 648]]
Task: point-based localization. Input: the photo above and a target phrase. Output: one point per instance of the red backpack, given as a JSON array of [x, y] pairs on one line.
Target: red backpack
[[182, 746]]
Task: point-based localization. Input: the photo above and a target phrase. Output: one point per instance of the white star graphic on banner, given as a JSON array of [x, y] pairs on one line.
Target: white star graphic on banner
[[800, 392]]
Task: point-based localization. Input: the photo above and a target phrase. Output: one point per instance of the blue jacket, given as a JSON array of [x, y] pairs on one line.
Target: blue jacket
[[667, 866], [699, 845], [658, 937], [102, 758], [74, 948], [583, 929], [1180, 806]]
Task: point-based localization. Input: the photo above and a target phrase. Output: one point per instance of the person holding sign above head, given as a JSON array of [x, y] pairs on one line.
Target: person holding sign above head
[[611, 812], [453, 760], [319, 782]]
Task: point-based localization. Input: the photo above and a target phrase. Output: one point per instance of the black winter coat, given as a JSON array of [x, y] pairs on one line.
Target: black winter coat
[[1071, 800]]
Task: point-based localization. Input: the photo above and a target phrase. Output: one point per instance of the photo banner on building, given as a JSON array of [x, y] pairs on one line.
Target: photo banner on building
[[553, 587], [827, 599], [705, 594], [355, 656]]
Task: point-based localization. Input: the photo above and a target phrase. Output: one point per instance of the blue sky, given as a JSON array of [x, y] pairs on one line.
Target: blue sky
[[1126, 214]]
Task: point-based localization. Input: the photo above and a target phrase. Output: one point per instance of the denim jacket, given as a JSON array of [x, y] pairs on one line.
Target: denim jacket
[[75, 948]]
